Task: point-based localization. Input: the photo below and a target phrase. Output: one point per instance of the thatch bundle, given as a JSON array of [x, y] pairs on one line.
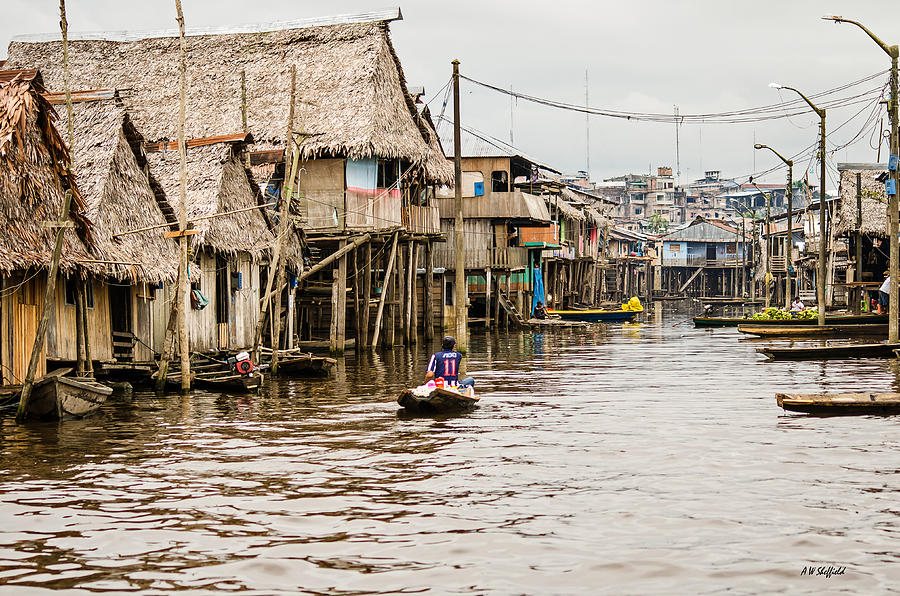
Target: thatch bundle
[[118, 195], [352, 97], [33, 182], [874, 200]]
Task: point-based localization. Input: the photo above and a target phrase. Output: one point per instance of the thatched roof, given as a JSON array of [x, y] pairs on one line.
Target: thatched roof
[[352, 92], [217, 183], [874, 200], [118, 195], [33, 181]]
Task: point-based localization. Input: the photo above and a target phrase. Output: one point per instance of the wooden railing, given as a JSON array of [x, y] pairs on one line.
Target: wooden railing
[[422, 220], [480, 258]]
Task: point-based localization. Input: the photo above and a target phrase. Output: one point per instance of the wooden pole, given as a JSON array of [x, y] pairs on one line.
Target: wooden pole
[[86, 337], [79, 329], [487, 298], [410, 283], [414, 296], [428, 294], [384, 289], [182, 295], [339, 306], [335, 256], [367, 295], [859, 239], [49, 293], [276, 255], [462, 313], [278, 263], [357, 312], [400, 292]]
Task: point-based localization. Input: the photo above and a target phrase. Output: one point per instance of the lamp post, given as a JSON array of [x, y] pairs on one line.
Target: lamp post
[[823, 244], [893, 213], [768, 235], [788, 259]]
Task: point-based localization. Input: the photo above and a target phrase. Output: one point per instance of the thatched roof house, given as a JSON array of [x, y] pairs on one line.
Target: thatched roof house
[[217, 183], [33, 182], [118, 195], [352, 92], [874, 200]]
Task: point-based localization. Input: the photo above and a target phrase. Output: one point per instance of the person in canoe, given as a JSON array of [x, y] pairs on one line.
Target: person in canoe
[[446, 363]]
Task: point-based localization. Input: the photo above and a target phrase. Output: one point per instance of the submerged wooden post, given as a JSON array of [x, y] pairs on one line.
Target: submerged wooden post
[[86, 337], [357, 314], [367, 296], [181, 301], [428, 294], [410, 291], [414, 296], [339, 306], [384, 289], [487, 298], [79, 330], [399, 311]]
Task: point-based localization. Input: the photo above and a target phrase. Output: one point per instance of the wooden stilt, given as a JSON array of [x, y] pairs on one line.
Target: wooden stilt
[[367, 295], [399, 309], [357, 303], [385, 289], [487, 298], [410, 291], [428, 293], [339, 307], [414, 297], [86, 338], [79, 329]]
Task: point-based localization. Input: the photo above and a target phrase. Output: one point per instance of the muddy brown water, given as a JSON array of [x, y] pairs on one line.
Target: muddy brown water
[[644, 458]]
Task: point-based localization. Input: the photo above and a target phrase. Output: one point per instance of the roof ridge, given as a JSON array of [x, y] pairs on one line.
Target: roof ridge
[[375, 16]]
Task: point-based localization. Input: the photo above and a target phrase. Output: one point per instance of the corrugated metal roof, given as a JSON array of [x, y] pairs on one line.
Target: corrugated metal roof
[[383, 15]]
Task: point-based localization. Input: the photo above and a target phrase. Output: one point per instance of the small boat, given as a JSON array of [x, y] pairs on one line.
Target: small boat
[[627, 312], [219, 375], [594, 316], [843, 351], [829, 320], [840, 403], [805, 331], [438, 400], [58, 397], [292, 363]]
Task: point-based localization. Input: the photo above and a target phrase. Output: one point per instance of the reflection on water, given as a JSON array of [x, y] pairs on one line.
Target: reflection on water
[[639, 458]]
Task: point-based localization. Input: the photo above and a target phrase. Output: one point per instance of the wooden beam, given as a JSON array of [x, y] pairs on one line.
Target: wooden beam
[[384, 289], [339, 307], [357, 314], [335, 256], [367, 295], [241, 137]]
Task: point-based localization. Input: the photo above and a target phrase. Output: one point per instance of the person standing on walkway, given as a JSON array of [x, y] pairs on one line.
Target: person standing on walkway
[[884, 294]]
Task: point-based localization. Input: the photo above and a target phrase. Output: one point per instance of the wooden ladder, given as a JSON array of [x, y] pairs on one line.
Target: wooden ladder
[[510, 307]]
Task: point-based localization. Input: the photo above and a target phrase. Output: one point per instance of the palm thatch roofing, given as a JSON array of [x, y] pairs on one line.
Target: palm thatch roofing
[[33, 181], [874, 200], [118, 195], [352, 93], [217, 183]]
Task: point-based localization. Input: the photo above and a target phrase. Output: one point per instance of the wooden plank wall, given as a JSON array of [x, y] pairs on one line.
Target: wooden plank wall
[[62, 335]]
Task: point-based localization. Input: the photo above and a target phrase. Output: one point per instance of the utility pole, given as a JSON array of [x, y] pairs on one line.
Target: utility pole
[[823, 240], [788, 253], [893, 205], [768, 239], [462, 314]]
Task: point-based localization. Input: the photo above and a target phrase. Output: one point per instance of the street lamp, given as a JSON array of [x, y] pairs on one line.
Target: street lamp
[[893, 213], [823, 245], [790, 238]]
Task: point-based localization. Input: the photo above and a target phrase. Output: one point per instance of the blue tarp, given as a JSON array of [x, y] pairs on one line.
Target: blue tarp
[[538, 289]]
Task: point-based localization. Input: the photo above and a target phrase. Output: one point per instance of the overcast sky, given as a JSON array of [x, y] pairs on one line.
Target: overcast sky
[[644, 56]]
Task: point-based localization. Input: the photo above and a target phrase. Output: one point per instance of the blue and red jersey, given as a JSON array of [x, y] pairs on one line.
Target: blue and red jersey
[[445, 364]]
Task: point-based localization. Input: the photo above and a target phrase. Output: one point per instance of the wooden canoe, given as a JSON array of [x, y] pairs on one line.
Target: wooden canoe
[[829, 320], [879, 350], [57, 397], [306, 365], [840, 403], [438, 401], [219, 380], [812, 330], [594, 316]]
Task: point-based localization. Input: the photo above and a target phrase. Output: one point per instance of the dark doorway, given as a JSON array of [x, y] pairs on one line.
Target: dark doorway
[[120, 320], [710, 252], [221, 290]]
